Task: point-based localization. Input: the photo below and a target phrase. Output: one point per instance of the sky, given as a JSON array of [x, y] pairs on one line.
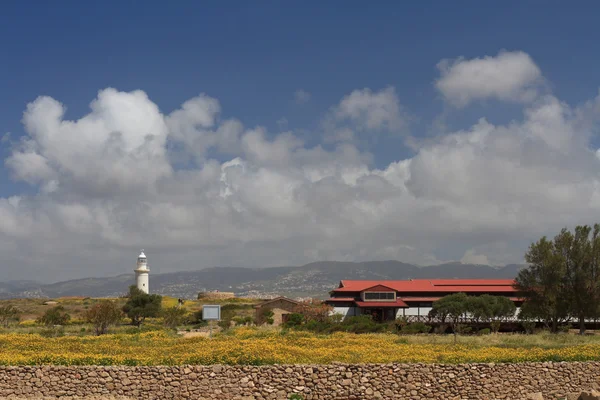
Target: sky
[[271, 133]]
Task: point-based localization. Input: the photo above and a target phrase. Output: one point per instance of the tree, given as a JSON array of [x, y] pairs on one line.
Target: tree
[[453, 307], [480, 308], [265, 315], [102, 315], [563, 279], [173, 316], [8, 313], [55, 316], [314, 310], [580, 252], [141, 305], [437, 315], [294, 320], [542, 283], [501, 308]]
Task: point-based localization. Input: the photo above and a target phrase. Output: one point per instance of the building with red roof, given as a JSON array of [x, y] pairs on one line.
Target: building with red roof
[[388, 300]]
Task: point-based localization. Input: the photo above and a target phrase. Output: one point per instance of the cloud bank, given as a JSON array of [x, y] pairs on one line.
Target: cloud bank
[[110, 182]]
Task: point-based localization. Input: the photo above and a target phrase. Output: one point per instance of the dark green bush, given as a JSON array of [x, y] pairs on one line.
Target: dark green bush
[[528, 326], [358, 324], [294, 320], [484, 331], [440, 329], [415, 327]]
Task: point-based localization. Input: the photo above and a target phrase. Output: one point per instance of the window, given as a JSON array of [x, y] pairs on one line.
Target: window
[[380, 296]]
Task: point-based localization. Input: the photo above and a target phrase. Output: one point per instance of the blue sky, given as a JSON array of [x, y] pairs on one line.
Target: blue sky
[[254, 56]]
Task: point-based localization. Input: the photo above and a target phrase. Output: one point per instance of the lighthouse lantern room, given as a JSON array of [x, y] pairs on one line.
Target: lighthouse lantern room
[[141, 273]]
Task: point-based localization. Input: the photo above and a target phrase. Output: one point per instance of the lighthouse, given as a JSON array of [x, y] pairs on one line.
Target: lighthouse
[[141, 273]]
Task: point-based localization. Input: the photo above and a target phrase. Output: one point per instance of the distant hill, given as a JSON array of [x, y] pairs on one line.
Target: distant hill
[[311, 280]]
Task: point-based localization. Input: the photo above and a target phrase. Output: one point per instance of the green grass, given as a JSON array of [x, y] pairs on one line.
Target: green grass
[[509, 340]]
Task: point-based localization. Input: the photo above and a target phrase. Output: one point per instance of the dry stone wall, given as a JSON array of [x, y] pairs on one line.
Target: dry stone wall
[[336, 381]]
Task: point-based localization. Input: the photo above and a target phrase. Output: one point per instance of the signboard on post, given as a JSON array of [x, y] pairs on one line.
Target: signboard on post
[[211, 312]]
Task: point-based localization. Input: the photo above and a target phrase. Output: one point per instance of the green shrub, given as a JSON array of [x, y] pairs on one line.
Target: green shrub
[[401, 322], [173, 316], [9, 314], [54, 316], [414, 328], [336, 318], [495, 326], [440, 329], [227, 315], [141, 305], [265, 316], [528, 326], [294, 319], [102, 315], [195, 318], [484, 331]]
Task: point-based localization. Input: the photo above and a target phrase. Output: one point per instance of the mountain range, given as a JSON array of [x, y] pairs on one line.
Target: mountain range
[[310, 280]]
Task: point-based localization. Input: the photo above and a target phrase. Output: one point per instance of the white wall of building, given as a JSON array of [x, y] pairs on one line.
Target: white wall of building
[[413, 311], [401, 312], [346, 311]]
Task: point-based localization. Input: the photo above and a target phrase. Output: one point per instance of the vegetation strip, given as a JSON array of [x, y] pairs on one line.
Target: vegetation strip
[[248, 346]]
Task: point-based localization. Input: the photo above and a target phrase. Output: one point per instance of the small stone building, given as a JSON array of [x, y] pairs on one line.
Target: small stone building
[[282, 307]]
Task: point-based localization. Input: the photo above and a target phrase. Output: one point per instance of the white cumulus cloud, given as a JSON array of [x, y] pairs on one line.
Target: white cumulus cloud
[[109, 183], [365, 113], [509, 76]]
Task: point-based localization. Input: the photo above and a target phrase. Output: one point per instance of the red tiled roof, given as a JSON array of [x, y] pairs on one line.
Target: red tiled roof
[[404, 299], [379, 288], [471, 282], [397, 304], [434, 285], [411, 299], [420, 298], [334, 299]]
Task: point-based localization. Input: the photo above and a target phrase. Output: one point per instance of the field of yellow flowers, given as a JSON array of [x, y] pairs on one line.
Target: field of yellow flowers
[[250, 346]]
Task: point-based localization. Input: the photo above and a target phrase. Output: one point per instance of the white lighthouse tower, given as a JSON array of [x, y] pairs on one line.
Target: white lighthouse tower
[[141, 273]]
